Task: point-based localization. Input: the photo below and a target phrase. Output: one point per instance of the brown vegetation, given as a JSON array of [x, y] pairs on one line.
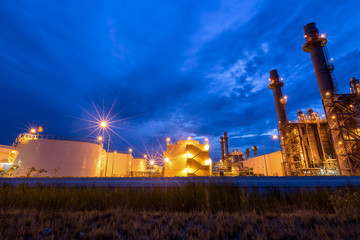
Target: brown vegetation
[[191, 212]]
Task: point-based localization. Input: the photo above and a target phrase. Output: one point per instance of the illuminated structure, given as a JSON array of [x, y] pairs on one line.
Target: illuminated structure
[[342, 110], [125, 165], [187, 158], [315, 146], [56, 157]]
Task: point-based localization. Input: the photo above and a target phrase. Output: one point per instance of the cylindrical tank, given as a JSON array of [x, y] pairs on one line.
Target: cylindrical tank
[[60, 158]]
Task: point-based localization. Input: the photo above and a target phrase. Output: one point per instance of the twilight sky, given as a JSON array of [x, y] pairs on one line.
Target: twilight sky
[[175, 68]]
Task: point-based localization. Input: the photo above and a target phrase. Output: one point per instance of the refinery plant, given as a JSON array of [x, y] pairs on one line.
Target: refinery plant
[[310, 146]]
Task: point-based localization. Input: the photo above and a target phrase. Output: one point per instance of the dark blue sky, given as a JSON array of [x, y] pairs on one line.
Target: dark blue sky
[[182, 68]]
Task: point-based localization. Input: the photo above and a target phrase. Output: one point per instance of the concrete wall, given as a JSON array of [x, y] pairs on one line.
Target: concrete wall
[[273, 163]]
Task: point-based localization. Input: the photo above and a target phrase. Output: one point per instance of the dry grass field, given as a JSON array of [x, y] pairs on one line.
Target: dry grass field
[[189, 212]]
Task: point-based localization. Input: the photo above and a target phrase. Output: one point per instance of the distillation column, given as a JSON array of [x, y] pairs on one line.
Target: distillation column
[[314, 44]]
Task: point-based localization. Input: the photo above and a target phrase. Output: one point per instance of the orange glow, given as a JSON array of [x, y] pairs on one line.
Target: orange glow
[[33, 130], [189, 138], [275, 137], [130, 150], [322, 35], [100, 138], [167, 159], [40, 129], [206, 148]]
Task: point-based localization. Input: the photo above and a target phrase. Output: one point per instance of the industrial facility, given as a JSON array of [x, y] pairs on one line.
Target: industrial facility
[[236, 163], [314, 145], [310, 146]]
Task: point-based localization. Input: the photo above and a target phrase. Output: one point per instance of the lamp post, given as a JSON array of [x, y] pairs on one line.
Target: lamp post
[[104, 125]]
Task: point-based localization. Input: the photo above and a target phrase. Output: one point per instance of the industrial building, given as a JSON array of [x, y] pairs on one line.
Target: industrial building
[[237, 163], [187, 158], [314, 145]]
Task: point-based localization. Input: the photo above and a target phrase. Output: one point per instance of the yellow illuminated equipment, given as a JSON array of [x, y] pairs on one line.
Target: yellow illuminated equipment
[[188, 158], [40, 129], [206, 148], [33, 130]]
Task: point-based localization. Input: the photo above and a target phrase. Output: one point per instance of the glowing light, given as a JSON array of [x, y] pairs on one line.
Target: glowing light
[[322, 36], [145, 156], [340, 143], [189, 138], [114, 151], [285, 97], [208, 162], [168, 140], [206, 140], [351, 106], [152, 162], [13, 151], [333, 117], [103, 124], [167, 159], [206, 147], [33, 130], [305, 36], [275, 137], [130, 150], [327, 93], [100, 138], [40, 129]]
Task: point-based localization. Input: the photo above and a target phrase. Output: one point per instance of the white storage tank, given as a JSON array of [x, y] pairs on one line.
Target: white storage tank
[[60, 158]]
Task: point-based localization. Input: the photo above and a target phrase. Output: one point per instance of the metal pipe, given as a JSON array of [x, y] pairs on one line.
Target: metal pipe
[[107, 155], [265, 158]]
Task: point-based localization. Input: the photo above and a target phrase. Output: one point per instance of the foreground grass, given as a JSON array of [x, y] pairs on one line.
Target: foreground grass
[[193, 211], [121, 223]]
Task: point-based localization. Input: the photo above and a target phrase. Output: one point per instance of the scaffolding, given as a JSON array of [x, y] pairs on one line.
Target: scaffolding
[[344, 112], [307, 146]]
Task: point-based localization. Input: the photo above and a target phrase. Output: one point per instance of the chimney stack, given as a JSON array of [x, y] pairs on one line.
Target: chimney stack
[[255, 150], [222, 148], [247, 153], [226, 140]]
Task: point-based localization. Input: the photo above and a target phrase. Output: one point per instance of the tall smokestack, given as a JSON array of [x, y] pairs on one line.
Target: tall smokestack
[[314, 45], [280, 101], [255, 150], [226, 140], [222, 148], [247, 153]]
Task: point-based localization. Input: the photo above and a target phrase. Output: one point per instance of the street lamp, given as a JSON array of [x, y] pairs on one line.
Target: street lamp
[[104, 125]]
